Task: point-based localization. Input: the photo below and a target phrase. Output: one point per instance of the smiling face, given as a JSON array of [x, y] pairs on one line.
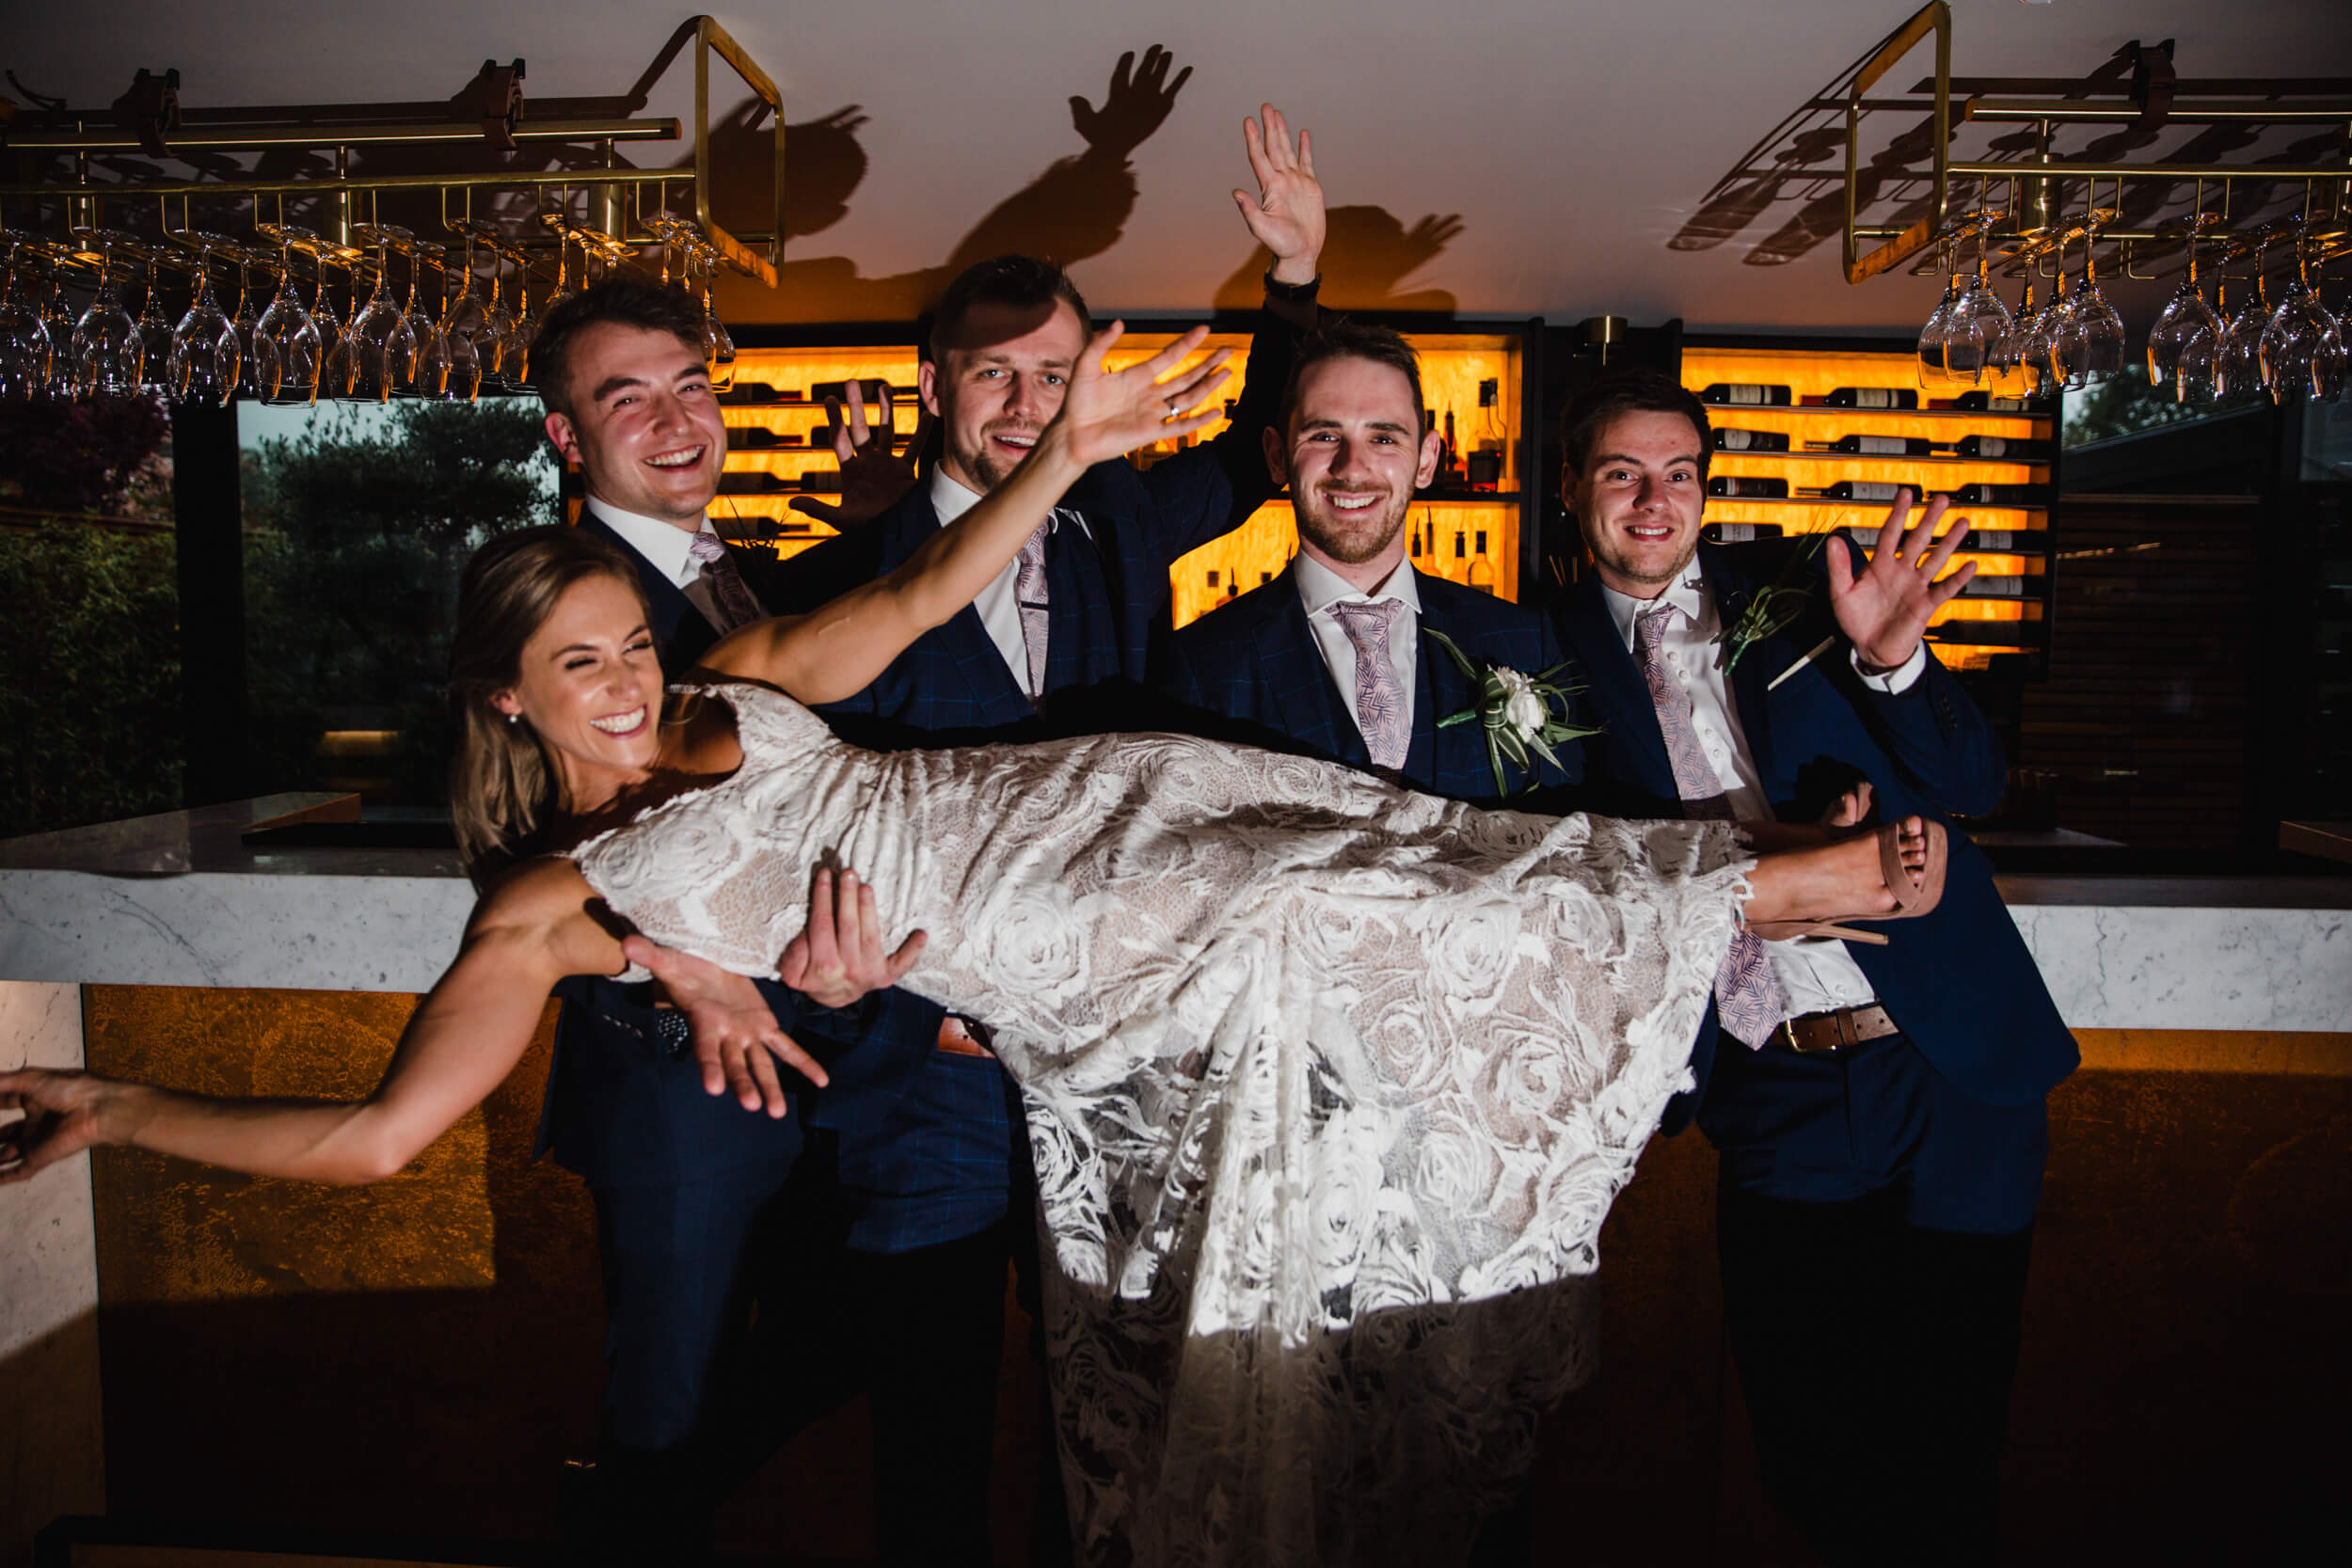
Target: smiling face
[[1353, 454], [590, 687], [644, 425], [1000, 383], [1639, 500]]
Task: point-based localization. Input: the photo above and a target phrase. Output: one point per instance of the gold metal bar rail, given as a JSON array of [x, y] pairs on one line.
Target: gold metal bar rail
[[239, 138]]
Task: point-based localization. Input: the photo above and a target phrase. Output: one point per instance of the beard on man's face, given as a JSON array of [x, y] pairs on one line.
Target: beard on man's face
[[1351, 538]]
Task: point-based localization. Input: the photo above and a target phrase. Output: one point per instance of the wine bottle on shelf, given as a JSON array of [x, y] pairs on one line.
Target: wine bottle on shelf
[[1746, 394], [749, 392], [1994, 588], [1739, 534], [1751, 440], [2002, 495], [1877, 446], [1451, 473], [1856, 490], [2003, 541], [754, 484], [1748, 488], [754, 438], [1986, 403], [1872, 397], [2007, 448], [1481, 575]]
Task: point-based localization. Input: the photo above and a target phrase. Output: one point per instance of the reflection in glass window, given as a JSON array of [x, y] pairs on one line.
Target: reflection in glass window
[[359, 520]]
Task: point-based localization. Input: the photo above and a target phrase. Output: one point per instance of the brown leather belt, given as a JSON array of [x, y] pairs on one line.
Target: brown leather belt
[[1820, 1031]]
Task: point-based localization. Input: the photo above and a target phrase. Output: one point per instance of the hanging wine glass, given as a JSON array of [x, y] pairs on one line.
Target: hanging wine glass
[[2039, 352], [387, 345], [464, 313], [24, 347], [2241, 341], [2302, 348], [258, 379], [204, 356], [502, 354], [154, 328], [63, 373], [338, 366], [560, 226], [2186, 320], [429, 367], [2097, 329], [287, 332], [514, 348], [107, 357], [717, 345], [1995, 328]]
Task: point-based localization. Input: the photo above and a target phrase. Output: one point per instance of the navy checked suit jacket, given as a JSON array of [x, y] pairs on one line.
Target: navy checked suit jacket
[[1960, 980], [1255, 659], [620, 1110], [932, 1160]]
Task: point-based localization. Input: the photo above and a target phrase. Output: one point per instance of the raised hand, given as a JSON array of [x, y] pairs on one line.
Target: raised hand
[[1107, 414], [61, 1112], [1287, 214], [874, 474], [736, 1038], [1135, 106], [837, 957], [1885, 609]]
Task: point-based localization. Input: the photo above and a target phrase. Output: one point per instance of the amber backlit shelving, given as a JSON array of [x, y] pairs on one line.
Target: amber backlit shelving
[[1968, 632], [792, 371]]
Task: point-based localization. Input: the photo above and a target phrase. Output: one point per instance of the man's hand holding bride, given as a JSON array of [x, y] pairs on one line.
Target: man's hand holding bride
[[836, 961]]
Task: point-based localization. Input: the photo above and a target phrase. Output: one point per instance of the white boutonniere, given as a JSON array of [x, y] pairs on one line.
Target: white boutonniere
[[1516, 711]]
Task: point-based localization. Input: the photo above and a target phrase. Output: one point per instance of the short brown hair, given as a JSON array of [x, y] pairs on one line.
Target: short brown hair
[[1020, 281], [622, 300], [502, 782], [1634, 390], [1342, 339]]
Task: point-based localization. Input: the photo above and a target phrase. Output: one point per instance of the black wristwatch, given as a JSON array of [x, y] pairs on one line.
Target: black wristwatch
[[1292, 294]]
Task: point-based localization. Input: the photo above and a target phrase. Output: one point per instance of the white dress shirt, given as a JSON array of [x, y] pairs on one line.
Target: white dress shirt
[[999, 603], [1816, 974], [669, 547], [1320, 587]]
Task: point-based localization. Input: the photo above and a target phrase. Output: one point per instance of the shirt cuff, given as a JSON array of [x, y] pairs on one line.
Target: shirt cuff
[[1898, 680]]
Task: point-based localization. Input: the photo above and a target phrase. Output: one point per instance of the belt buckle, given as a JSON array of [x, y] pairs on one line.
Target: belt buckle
[[1836, 1040]]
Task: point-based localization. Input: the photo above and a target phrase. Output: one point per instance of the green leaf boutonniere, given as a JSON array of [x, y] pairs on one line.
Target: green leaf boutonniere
[[1523, 715], [1773, 610]]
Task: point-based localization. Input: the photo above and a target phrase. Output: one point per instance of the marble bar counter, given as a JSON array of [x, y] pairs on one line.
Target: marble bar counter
[[178, 899]]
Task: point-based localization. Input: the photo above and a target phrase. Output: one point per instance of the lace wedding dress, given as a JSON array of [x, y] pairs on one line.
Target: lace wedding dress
[[1330, 1087]]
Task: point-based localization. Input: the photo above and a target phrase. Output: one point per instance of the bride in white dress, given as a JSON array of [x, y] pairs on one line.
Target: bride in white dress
[[1329, 1085]]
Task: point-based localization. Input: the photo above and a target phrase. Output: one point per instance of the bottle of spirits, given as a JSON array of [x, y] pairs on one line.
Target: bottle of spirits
[[2002, 495], [1457, 570], [2008, 449], [1482, 570], [1878, 446], [1745, 394], [1855, 490], [1985, 403], [1450, 469], [1751, 440], [1746, 487], [1872, 397]]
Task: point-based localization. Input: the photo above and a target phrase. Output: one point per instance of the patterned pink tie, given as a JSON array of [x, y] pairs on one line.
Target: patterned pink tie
[[734, 595], [1029, 587], [1748, 997], [1379, 695]]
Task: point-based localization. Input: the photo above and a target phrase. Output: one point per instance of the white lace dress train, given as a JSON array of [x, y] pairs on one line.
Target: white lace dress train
[[1330, 1087]]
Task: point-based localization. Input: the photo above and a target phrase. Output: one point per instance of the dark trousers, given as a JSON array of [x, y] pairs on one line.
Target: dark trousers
[[1873, 1225], [678, 1319], [1876, 1357], [920, 1333]]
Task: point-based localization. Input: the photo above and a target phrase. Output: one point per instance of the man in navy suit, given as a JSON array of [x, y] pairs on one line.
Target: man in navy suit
[[1883, 1138], [679, 1173], [929, 1182], [1332, 656]]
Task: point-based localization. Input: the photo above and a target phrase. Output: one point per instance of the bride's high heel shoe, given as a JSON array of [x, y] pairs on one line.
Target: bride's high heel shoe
[[1913, 894]]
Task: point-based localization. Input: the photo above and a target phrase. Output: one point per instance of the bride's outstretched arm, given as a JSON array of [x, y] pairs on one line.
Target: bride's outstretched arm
[[466, 1037], [838, 649]]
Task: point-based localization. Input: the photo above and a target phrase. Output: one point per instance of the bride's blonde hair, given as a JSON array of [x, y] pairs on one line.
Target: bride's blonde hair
[[502, 782]]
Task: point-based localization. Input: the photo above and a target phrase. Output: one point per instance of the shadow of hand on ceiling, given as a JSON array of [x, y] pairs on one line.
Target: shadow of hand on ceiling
[[1075, 209], [1367, 251]]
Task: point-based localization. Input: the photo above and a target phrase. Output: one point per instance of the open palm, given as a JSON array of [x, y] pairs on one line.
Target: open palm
[[1107, 414], [1884, 607]]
